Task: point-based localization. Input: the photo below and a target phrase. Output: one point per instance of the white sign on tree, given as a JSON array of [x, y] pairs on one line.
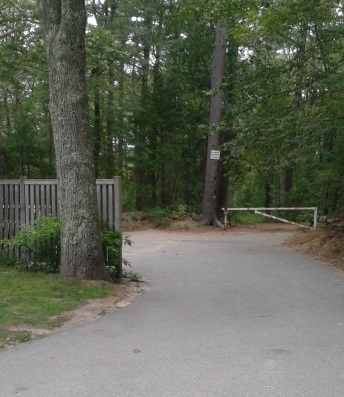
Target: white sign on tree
[[215, 155]]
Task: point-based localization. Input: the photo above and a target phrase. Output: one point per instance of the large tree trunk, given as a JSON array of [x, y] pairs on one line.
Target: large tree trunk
[[212, 174], [63, 23]]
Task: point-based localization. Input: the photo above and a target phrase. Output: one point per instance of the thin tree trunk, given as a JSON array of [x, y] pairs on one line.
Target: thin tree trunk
[[297, 100], [64, 23], [97, 132], [109, 157], [141, 123], [97, 119], [120, 148], [212, 174]]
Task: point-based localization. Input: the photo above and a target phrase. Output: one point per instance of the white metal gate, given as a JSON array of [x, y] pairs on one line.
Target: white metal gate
[[258, 210]]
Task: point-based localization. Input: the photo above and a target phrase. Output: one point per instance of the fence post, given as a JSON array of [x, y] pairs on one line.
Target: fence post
[[118, 219], [315, 217]]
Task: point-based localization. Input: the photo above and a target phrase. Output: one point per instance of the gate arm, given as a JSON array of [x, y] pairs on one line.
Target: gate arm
[[280, 219]]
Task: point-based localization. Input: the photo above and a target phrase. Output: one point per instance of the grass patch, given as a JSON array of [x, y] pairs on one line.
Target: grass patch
[[9, 337], [33, 299]]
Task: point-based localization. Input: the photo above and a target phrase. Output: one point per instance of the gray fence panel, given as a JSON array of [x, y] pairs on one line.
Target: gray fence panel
[[25, 200]]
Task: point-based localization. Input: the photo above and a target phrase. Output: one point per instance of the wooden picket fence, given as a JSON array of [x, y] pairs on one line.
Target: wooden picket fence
[[23, 201]]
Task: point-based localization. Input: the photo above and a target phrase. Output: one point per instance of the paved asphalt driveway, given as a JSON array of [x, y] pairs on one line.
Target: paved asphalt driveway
[[225, 315]]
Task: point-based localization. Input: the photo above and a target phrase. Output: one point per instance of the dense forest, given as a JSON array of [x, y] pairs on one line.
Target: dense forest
[[148, 62]]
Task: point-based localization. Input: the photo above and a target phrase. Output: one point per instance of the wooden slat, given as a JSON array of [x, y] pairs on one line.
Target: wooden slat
[[37, 202], [99, 200], [110, 206], [16, 208], [31, 220], [104, 216], [11, 215], [27, 204], [41, 181], [9, 182], [48, 200], [43, 202], [2, 201], [11, 219], [16, 225], [6, 215], [54, 210]]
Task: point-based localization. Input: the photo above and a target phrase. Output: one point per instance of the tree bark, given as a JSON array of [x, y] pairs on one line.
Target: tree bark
[[64, 23], [212, 174]]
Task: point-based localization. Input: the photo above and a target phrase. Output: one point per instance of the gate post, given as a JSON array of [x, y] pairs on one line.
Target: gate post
[[315, 218], [118, 221]]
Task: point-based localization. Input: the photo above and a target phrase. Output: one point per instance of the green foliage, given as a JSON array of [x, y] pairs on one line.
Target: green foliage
[[148, 78], [250, 192], [41, 242], [25, 131], [10, 261], [112, 245], [159, 216], [132, 276], [179, 211], [246, 218]]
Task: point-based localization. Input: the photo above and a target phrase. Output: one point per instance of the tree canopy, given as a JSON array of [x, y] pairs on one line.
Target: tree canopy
[[148, 74]]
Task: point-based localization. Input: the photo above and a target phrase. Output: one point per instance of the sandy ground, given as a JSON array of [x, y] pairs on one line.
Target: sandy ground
[[125, 293]]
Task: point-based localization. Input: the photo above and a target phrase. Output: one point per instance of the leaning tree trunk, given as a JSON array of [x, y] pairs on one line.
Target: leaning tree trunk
[[64, 23], [212, 173]]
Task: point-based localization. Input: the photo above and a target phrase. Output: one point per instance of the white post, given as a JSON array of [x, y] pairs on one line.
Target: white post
[[315, 217]]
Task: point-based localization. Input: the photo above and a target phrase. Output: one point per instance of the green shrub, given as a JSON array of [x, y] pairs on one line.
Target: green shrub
[[179, 211], [111, 243], [10, 261], [157, 215], [41, 242]]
